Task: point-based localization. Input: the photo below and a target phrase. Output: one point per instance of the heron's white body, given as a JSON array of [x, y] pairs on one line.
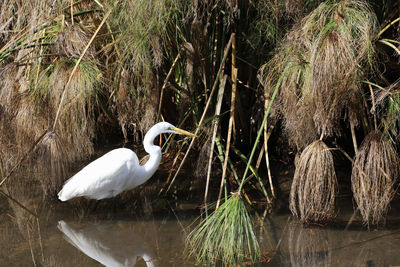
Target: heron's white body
[[117, 171]]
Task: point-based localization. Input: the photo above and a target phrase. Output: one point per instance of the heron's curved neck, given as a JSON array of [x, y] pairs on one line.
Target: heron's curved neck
[[150, 167]]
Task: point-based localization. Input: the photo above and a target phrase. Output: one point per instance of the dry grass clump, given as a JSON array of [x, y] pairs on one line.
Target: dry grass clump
[[18, 15], [375, 170], [327, 54], [141, 28], [31, 96], [71, 42], [294, 102], [136, 104], [9, 77], [312, 196], [341, 47]]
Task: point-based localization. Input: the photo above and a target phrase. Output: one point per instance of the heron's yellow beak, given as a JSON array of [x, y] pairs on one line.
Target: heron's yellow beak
[[180, 131]]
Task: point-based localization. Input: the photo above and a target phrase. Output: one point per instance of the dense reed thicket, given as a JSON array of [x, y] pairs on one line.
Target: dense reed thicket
[[76, 73]]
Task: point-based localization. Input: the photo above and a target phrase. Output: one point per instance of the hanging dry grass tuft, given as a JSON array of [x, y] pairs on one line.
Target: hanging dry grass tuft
[[341, 34], [53, 157], [142, 29], [135, 104], [375, 170], [327, 53], [294, 100], [9, 77], [72, 41], [312, 196]]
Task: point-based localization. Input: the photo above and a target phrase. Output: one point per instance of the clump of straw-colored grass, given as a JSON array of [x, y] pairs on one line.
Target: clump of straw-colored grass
[[294, 102], [341, 34], [312, 196], [375, 170], [71, 42], [327, 53], [142, 29], [225, 236], [9, 76]]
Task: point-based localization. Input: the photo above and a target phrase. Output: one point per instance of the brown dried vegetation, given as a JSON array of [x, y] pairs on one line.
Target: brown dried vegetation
[[327, 54], [312, 196], [375, 170]]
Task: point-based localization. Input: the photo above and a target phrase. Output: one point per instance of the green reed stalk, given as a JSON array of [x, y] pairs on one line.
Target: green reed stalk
[[227, 234]]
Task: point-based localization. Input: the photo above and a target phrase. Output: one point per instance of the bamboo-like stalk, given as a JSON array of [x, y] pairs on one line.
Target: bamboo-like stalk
[[261, 130], [227, 234], [221, 67], [221, 158], [373, 106], [353, 137], [391, 45], [30, 246], [231, 117], [260, 156], [40, 238], [266, 138], [214, 135], [165, 84], [72, 12], [387, 27]]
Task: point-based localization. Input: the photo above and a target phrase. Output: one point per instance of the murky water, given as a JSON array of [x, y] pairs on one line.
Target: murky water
[[150, 231]]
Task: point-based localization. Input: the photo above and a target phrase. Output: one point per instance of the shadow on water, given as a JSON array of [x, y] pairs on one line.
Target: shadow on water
[[150, 231]]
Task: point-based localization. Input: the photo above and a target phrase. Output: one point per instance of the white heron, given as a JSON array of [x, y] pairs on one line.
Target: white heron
[[118, 170]]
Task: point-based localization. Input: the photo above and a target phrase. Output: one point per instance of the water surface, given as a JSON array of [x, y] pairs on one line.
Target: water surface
[[150, 230]]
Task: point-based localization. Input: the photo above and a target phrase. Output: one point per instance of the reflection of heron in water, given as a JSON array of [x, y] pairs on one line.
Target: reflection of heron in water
[[109, 244]]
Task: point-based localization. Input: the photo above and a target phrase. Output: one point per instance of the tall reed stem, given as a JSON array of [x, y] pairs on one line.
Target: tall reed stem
[[214, 135], [221, 67], [231, 118], [260, 131]]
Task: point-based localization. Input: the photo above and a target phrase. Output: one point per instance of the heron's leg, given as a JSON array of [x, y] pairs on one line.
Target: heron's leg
[[96, 204], [91, 206], [115, 203]]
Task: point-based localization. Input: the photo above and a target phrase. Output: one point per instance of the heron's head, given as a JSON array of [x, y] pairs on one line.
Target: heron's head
[[166, 127]]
